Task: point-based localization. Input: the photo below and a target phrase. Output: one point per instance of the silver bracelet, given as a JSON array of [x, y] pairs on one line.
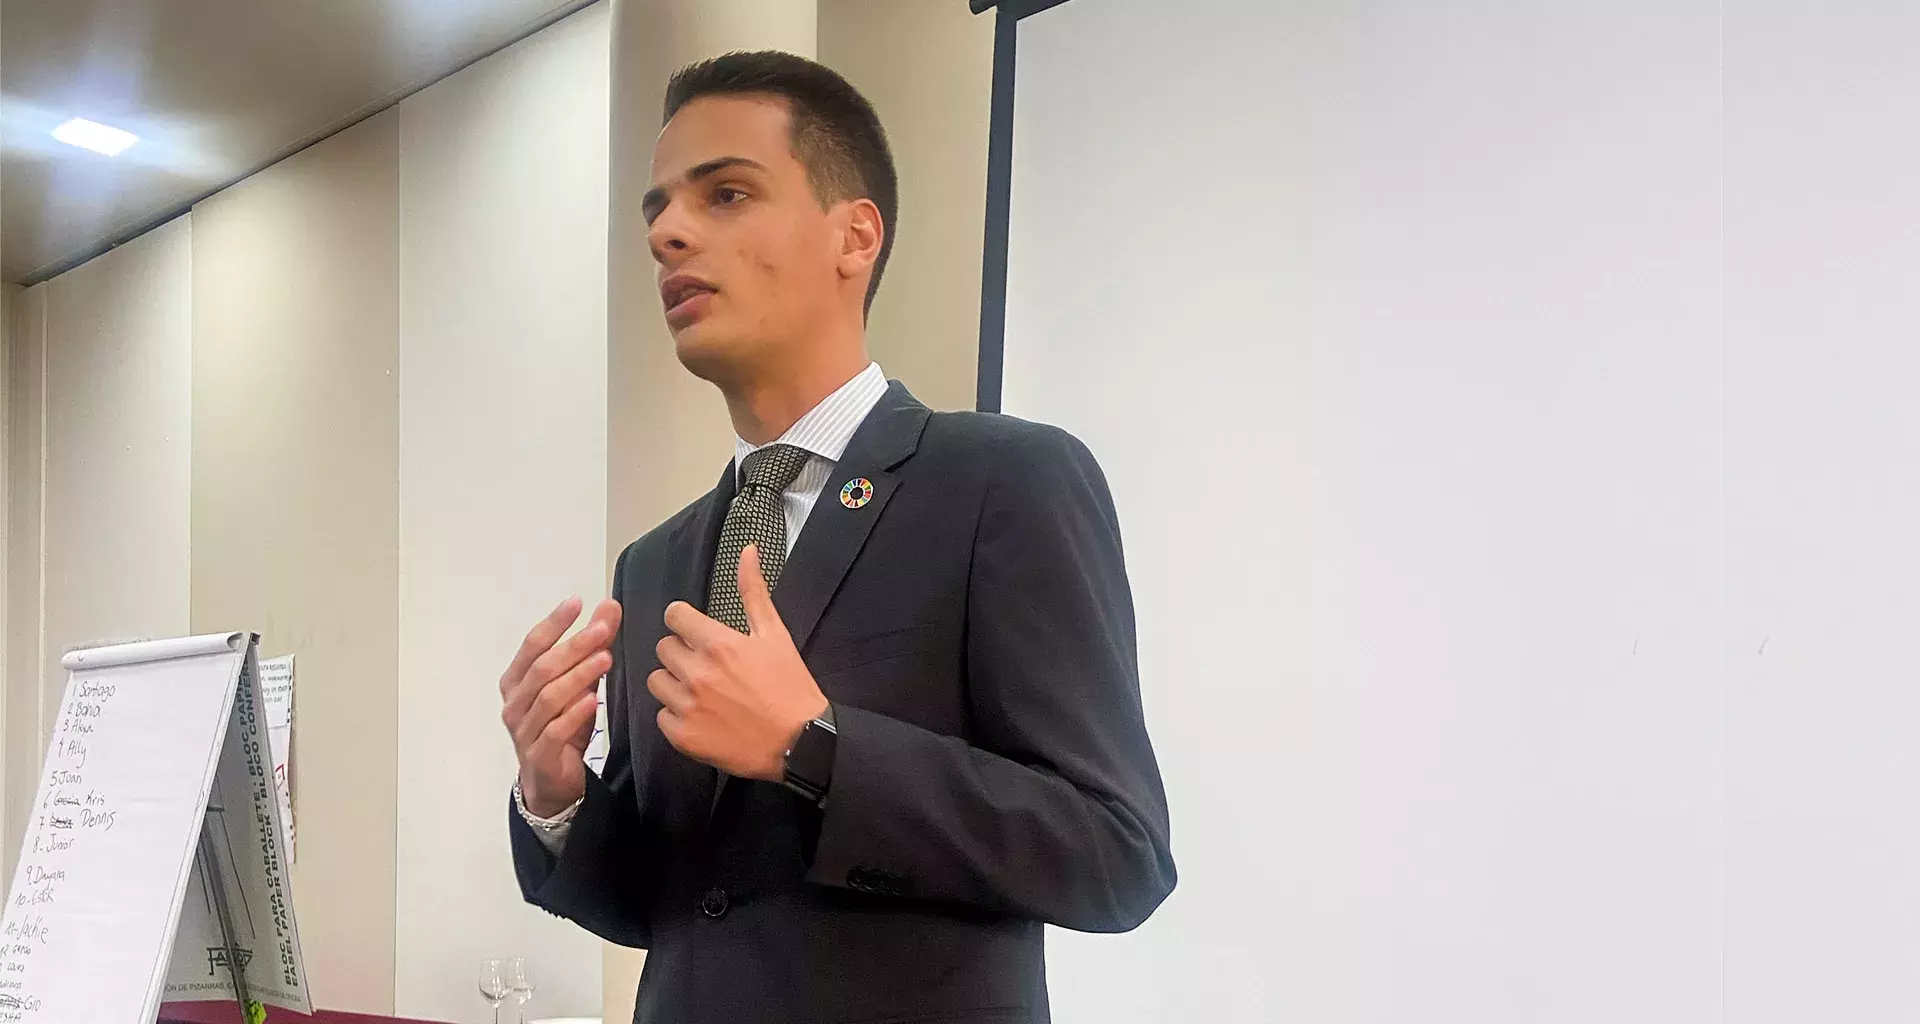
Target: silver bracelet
[[553, 824]]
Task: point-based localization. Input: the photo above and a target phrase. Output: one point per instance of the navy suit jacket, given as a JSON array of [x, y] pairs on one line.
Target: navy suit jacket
[[973, 627]]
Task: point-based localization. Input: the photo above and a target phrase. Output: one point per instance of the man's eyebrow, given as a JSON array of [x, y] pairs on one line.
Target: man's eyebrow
[[718, 164], [656, 198]]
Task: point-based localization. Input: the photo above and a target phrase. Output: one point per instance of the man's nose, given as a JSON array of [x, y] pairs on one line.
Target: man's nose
[[670, 237]]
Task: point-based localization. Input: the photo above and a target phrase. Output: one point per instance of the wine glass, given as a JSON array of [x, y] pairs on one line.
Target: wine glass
[[494, 984], [520, 982]]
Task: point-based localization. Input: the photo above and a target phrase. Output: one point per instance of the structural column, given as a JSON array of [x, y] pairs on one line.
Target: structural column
[[667, 432]]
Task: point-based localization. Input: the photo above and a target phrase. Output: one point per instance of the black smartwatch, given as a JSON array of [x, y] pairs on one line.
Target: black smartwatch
[[808, 769]]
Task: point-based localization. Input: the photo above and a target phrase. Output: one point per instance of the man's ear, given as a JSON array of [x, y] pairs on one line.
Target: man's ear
[[861, 235]]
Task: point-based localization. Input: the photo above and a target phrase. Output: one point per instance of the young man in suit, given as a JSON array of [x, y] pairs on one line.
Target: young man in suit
[[873, 704]]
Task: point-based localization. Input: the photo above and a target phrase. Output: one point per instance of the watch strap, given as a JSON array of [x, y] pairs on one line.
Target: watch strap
[[807, 768]]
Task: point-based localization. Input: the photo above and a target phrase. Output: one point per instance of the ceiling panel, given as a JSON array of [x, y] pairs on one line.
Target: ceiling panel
[[214, 89]]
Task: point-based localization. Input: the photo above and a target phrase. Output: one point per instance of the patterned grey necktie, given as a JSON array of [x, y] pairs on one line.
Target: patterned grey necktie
[[755, 517]]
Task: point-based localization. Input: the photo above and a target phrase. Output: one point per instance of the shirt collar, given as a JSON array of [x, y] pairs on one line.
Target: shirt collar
[[827, 428]]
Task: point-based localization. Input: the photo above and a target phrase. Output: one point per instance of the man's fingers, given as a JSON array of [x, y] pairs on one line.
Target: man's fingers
[[539, 640], [574, 726], [678, 732], [672, 693], [552, 700], [545, 703], [521, 699], [597, 636], [604, 623], [762, 617], [609, 612], [693, 626], [676, 657]]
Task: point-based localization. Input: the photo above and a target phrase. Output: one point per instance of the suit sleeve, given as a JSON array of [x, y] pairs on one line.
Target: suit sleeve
[[602, 878], [1055, 811]]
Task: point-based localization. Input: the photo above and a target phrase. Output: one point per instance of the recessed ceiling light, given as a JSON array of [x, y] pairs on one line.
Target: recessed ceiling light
[[97, 137]]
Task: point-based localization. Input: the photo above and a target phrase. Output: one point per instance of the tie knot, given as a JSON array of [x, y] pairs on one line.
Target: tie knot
[[774, 467]]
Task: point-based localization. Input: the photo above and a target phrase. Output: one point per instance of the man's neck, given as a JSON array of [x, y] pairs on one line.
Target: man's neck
[[764, 409]]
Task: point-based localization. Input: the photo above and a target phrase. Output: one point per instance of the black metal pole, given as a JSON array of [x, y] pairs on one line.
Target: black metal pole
[[217, 892]]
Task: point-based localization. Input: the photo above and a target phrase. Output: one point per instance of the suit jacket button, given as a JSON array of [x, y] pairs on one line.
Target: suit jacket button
[[714, 903]]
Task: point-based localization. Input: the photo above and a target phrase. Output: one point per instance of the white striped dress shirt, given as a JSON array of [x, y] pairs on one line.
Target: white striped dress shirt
[[824, 431]]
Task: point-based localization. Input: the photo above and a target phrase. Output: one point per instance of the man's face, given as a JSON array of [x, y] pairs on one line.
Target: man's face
[[748, 258]]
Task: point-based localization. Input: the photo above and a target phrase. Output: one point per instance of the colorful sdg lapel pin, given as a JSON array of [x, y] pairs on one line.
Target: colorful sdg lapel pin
[[856, 493]]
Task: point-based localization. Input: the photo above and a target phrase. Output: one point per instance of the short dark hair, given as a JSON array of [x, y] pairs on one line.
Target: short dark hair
[[836, 135]]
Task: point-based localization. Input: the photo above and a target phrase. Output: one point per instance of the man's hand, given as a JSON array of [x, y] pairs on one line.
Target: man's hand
[[735, 701], [549, 693]]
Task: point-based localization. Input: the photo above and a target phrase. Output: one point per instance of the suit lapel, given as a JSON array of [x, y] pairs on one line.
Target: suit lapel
[[691, 549], [835, 530], [832, 537], [690, 552]]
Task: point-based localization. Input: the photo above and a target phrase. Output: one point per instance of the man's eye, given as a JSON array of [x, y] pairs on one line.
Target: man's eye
[[726, 194]]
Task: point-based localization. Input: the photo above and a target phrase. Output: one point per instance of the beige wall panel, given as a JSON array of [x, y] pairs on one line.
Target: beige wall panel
[[118, 399], [25, 410], [927, 67], [296, 509], [8, 296], [98, 468]]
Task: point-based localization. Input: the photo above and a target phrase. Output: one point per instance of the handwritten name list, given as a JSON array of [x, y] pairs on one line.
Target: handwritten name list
[[72, 811]]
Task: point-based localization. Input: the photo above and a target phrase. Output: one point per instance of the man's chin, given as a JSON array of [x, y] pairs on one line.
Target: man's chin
[[705, 352]]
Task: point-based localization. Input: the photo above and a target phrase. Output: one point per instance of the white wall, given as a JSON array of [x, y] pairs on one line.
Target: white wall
[[1396, 327], [1823, 495], [503, 249], [118, 400]]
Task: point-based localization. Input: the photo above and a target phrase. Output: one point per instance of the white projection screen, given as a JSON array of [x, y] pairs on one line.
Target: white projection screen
[[1402, 332]]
